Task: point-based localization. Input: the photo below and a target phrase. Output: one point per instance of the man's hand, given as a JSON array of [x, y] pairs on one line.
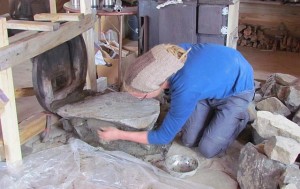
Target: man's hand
[[109, 133], [112, 133]]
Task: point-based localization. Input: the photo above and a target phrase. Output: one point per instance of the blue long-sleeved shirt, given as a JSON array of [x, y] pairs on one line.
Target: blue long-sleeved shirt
[[210, 72]]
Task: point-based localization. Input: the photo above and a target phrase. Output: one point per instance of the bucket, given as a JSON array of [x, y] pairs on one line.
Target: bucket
[[133, 26]]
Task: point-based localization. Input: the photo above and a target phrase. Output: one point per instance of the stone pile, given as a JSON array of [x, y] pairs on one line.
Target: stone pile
[[270, 160]]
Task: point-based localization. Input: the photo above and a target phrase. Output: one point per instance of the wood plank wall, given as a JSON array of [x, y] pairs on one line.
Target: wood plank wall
[[271, 15], [4, 7]]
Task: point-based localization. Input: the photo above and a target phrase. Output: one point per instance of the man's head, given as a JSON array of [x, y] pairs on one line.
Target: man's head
[[153, 68]]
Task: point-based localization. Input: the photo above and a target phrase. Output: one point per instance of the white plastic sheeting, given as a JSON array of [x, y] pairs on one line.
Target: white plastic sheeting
[[79, 165]]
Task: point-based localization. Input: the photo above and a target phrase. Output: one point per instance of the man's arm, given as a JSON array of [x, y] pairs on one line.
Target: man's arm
[[111, 133]]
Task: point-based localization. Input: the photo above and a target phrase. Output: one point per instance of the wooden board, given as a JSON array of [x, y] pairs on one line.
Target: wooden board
[[4, 8], [32, 126], [32, 25], [27, 48], [9, 121], [59, 17]]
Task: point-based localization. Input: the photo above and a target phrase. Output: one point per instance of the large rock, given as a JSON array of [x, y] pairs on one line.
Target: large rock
[[258, 171], [282, 149], [116, 107], [296, 117], [292, 100], [268, 125], [273, 105], [291, 177], [285, 79]]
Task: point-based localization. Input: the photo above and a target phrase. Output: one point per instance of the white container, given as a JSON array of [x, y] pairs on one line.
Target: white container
[[94, 3], [75, 3]]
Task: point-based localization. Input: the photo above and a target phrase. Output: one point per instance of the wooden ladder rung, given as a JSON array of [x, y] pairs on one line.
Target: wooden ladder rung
[[32, 25], [59, 17]]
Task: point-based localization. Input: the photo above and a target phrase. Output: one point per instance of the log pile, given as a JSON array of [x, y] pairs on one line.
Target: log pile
[[276, 39]]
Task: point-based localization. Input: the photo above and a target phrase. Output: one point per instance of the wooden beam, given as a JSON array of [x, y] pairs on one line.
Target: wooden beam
[[52, 4], [32, 126], [59, 17], [23, 92], [9, 120], [6, 15], [233, 19], [32, 25], [17, 52], [91, 83], [21, 36]]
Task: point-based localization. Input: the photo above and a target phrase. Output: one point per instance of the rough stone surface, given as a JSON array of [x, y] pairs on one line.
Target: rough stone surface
[[293, 99], [282, 149], [268, 125], [258, 171], [289, 186], [257, 97], [257, 84], [282, 92], [273, 105], [285, 79], [115, 107], [291, 176], [269, 86], [296, 117], [86, 130]]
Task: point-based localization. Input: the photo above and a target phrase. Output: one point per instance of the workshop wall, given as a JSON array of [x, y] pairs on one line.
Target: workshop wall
[[4, 8]]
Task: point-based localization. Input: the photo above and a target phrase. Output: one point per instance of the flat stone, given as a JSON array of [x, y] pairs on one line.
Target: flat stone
[[116, 107]]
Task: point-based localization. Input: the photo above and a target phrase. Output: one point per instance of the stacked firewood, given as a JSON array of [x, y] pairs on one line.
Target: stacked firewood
[[268, 38]]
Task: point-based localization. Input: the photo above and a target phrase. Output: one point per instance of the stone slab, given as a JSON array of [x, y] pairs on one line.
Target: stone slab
[[116, 107]]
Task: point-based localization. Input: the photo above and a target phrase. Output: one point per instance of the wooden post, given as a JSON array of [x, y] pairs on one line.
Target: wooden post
[[233, 19], [9, 120], [52, 4], [85, 8]]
